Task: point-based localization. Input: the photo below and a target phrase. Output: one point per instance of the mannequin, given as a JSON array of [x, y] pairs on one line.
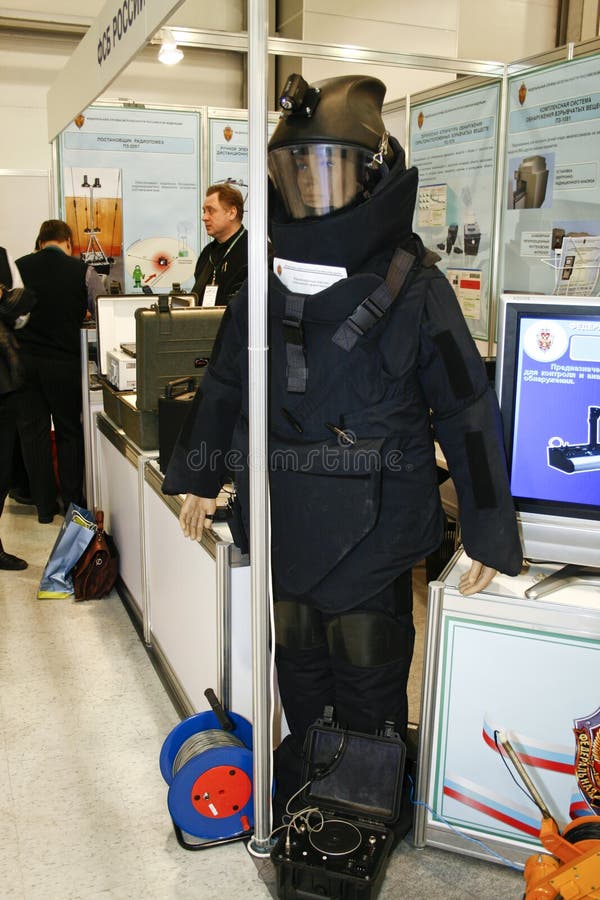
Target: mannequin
[[363, 373]]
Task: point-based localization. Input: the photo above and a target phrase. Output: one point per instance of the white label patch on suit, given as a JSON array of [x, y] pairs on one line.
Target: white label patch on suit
[[307, 278]]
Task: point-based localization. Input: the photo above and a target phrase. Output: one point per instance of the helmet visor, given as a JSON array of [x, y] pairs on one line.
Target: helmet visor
[[318, 179]]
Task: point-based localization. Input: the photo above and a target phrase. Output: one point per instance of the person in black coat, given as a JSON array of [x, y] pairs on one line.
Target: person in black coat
[[222, 267], [15, 305], [51, 356]]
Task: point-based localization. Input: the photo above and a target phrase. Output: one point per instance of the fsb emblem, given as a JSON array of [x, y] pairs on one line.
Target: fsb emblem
[[587, 758]]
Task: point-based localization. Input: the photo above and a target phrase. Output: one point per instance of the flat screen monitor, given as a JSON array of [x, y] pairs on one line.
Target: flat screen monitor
[[548, 386]]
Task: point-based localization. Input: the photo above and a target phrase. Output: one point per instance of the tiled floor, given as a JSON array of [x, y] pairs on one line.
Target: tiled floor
[[83, 812]]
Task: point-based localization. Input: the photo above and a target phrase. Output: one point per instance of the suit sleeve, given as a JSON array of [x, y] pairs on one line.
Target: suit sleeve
[[198, 464], [466, 422]]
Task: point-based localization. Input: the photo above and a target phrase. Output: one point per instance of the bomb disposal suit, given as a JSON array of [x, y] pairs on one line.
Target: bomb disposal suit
[[364, 373]]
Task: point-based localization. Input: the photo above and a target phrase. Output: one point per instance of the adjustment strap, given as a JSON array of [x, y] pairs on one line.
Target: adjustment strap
[[164, 315], [293, 335], [374, 307]]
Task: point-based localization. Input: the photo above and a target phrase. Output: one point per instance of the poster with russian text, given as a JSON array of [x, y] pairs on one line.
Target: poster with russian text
[[130, 192], [453, 145], [228, 154], [551, 215]]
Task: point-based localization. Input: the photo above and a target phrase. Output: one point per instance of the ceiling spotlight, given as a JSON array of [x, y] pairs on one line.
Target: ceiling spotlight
[[169, 52]]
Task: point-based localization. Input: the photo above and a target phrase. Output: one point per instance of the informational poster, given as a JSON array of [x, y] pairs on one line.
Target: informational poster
[[552, 173], [130, 192], [228, 154], [453, 145]]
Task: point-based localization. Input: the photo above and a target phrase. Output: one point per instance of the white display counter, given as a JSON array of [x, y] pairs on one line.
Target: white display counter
[[200, 611], [499, 662], [191, 599], [120, 472]]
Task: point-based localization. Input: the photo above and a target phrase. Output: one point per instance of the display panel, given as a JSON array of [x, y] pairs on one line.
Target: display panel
[[453, 145], [228, 152], [548, 384], [551, 205], [129, 186]]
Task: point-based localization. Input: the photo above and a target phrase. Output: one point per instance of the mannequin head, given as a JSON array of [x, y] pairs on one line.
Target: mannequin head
[[330, 147]]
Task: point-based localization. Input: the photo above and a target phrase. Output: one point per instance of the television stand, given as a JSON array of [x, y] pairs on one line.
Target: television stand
[[571, 574]]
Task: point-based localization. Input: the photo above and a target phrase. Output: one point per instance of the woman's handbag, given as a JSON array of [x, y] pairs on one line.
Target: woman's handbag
[[96, 572]]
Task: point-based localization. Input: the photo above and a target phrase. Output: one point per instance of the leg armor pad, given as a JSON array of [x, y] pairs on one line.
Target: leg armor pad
[[369, 639]]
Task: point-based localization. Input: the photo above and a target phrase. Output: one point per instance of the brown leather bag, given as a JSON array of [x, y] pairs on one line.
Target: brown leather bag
[[96, 571]]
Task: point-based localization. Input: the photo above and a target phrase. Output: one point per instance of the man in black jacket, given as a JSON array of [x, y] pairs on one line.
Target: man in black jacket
[[222, 267], [370, 357], [51, 356]]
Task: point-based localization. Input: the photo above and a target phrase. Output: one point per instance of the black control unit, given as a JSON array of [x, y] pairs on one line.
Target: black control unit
[[354, 787]]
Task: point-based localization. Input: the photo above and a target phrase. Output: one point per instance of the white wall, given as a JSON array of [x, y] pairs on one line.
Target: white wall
[[464, 29], [506, 31], [413, 26]]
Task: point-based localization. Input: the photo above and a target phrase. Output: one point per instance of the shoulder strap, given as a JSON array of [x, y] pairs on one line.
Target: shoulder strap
[[293, 336], [374, 307]]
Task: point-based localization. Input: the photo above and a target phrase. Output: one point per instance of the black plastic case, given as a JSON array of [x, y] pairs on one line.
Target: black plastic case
[[355, 780]]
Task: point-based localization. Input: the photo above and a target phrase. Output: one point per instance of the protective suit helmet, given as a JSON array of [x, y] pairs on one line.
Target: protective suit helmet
[[330, 147]]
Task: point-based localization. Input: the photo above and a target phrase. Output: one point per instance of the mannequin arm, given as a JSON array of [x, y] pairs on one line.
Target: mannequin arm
[[196, 514], [476, 579]]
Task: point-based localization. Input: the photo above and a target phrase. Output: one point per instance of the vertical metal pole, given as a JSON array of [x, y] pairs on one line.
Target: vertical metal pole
[[257, 358], [87, 416], [407, 130], [54, 192], [143, 532], [223, 623], [435, 597], [497, 270]]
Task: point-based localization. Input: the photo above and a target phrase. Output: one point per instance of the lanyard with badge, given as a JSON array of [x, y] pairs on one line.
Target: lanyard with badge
[[209, 298]]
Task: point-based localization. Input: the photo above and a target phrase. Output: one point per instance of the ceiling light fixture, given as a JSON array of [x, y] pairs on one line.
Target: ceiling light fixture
[[169, 52]]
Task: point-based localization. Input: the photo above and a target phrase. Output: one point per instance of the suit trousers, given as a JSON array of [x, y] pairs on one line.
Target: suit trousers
[[52, 395], [365, 692]]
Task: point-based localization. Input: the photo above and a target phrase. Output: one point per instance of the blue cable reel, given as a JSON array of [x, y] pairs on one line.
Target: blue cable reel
[[207, 762]]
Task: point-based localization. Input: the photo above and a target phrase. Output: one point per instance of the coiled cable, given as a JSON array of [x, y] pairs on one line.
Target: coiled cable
[[202, 741]]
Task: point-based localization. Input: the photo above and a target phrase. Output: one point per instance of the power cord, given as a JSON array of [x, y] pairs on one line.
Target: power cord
[[298, 821], [460, 833]]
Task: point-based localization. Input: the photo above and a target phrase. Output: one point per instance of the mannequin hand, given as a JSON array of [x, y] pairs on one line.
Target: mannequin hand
[[476, 579], [196, 514]]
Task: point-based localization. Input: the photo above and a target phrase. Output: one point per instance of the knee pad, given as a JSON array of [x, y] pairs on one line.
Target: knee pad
[[298, 625], [370, 639]]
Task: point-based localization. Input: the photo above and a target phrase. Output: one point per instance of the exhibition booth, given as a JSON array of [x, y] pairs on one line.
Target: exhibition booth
[[509, 197]]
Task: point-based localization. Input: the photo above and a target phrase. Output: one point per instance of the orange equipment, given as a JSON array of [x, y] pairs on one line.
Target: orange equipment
[[573, 870]]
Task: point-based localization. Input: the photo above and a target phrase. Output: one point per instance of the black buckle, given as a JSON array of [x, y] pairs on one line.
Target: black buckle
[[293, 332], [365, 316]]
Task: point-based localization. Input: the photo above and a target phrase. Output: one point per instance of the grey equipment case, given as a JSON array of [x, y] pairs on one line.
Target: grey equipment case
[[172, 343]]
